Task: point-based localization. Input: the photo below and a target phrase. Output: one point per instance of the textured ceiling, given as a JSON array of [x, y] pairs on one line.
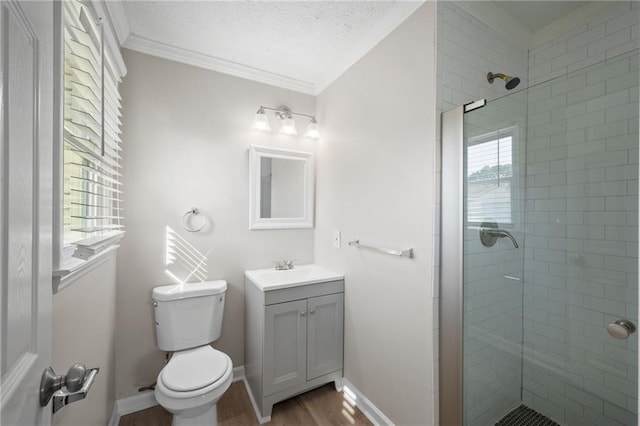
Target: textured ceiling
[[310, 42], [301, 45]]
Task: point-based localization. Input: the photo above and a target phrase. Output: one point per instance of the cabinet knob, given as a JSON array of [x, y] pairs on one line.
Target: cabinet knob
[[312, 311], [303, 313]]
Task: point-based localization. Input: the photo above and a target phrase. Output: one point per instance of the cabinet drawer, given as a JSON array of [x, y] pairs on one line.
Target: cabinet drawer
[[303, 292]]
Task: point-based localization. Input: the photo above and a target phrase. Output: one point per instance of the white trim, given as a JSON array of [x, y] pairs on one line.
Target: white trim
[[256, 153], [66, 276], [261, 420], [119, 20], [366, 42], [172, 53], [147, 399], [499, 20], [367, 407], [238, 374]]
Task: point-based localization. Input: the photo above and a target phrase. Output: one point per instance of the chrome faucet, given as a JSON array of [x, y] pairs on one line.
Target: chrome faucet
[[284, 266]]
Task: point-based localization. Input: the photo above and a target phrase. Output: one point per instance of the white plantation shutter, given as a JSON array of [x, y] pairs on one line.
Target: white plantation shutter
[[91, 137]]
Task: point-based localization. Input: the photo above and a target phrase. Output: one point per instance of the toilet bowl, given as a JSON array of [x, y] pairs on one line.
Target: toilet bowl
[[188, 318], [191, 384]]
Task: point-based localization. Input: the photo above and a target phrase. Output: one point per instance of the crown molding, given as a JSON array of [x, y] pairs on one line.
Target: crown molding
[[118, 20], [172, 53], [367, 42]]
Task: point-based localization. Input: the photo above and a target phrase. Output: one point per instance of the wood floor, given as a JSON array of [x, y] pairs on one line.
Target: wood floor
[[321, 406]]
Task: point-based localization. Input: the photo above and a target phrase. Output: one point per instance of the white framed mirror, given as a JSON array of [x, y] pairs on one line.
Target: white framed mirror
[[281, 188]]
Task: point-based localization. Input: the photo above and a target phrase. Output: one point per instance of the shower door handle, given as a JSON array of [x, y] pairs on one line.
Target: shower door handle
[[621, 329]]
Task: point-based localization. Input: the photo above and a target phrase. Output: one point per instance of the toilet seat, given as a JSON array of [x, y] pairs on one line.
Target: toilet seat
[[194, 369], [214, 390]]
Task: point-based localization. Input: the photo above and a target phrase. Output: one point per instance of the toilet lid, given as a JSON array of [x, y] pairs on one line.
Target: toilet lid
[[194, 369]]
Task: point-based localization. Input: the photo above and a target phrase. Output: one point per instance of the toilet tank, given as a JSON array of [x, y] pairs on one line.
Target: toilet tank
[[188, 315]]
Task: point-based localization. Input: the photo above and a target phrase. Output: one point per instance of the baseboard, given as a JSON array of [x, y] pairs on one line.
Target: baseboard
[[261, 420], [238, 373], [131, 404], [147, 399], [367, 407]]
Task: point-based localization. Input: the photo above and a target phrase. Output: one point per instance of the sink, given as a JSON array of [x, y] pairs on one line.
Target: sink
[[270, 279]]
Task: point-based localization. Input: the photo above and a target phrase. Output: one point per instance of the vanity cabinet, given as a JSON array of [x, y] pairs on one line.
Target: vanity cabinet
[[294, 341]]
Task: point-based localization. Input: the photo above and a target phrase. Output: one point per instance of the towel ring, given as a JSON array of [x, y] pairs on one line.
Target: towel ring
[[194, 211]]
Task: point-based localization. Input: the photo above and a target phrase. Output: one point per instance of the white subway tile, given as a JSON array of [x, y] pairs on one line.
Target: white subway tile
[[608, 130], [606, 71], [572, 57], [553, 51], [609, 42], [586, 94], [628, 141], [607, 101], [620, 22], [585, 38], [622, 112]]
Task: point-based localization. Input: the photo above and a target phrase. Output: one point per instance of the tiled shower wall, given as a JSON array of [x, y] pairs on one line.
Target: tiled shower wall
[[467, 50], [581, 269]]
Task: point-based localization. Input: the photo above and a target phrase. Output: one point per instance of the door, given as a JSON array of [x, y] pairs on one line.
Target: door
[[26, 129], [324, 334], [285, 347]]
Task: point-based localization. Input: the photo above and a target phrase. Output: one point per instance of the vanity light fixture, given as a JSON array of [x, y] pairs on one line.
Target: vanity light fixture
[[261, 122], [287, 123]]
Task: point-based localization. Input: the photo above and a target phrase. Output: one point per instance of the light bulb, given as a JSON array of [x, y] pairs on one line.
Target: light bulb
[[261, 121], [313, 130], [288, 126]]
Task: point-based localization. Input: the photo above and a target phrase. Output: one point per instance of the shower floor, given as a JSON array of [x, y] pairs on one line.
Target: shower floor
[[525, 416]]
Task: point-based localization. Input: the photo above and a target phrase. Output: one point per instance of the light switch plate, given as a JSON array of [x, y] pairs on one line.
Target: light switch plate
[[336, 239]]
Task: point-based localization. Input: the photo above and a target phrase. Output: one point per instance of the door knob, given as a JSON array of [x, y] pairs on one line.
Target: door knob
[[621, 329], [75, 377], [77, 382]]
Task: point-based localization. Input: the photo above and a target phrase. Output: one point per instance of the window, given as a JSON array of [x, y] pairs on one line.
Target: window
[[92, 194], [490, 177]]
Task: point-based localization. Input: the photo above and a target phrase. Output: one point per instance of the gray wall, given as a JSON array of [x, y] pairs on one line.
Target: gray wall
[[186, 134], [84, 316], [374, 182]]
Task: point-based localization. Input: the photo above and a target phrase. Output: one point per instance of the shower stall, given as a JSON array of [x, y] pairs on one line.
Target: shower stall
[[539, 264]]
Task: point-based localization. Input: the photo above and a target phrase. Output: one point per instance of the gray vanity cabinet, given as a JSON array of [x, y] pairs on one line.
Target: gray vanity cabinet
[[294, 341]]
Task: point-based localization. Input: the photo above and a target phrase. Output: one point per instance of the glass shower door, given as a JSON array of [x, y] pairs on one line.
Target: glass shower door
[[550, 258]]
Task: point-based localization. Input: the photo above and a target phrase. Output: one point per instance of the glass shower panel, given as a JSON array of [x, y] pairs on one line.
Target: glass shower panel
[[493, 288], [554, 166]]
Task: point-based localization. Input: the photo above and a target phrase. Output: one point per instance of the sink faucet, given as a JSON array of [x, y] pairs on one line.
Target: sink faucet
[[285, 265]]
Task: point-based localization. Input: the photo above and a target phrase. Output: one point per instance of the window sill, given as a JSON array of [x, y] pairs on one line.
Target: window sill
[[74, 268]]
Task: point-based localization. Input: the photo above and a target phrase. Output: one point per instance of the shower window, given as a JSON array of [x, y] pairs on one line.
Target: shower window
[[490, 173]]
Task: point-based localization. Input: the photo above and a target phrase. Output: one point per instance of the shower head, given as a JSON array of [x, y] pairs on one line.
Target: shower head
[[510, 81]]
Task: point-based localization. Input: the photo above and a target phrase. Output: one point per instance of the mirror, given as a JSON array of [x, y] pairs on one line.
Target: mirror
[[281, 189]]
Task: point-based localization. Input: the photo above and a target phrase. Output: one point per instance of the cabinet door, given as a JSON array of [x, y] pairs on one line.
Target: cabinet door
[[325, 334], [285, 345]]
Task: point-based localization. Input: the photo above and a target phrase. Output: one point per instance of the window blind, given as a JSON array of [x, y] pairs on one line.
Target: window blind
[[91, 137], [489, 179]]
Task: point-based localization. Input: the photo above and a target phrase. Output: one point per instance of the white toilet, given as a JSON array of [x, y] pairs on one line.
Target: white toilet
[[188, 318]]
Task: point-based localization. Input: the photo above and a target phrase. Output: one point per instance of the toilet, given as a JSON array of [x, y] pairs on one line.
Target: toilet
[[188, 318]]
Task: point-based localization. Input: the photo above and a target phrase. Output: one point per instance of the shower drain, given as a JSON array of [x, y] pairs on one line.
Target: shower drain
[[525, 416]]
